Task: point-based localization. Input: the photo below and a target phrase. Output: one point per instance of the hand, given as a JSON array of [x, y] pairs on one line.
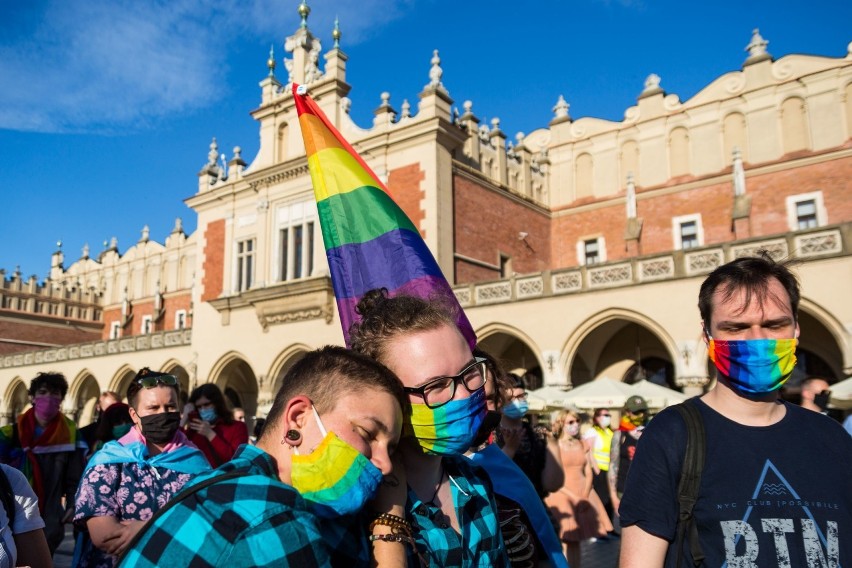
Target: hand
[[188, 409], [202, 427], [117, 543], [393, 490]]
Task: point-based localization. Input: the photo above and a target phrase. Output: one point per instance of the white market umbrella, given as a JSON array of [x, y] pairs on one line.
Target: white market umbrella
[[600, 393], [657, 396], [841, 394], [548, 397]]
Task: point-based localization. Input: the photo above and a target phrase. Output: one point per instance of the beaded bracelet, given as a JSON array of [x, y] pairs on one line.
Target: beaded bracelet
[[405, 539], [397, 524]]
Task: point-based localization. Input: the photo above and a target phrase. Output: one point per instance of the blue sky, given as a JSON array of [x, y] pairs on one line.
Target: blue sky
[[107, 107]]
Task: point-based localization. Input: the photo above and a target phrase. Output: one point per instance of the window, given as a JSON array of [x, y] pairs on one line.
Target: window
[[115, 330], [296, 240], [806, 211], [687, 231], [591, 250], [245, 264], [806, 216], [180, 319], [688, 235], [147, 325], [505, 266]]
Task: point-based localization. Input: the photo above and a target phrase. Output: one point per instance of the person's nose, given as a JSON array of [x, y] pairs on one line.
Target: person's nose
[[756, 332], [381, 459]]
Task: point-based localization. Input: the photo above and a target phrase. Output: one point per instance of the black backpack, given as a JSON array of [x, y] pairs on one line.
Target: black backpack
[[690, 480]]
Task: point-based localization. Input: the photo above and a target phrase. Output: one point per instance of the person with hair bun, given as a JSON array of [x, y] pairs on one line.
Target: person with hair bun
[[445, 498], [129, 479], [211, 426]]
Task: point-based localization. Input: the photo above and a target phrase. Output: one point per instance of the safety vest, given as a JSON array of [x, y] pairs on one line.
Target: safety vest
[[602, 446]]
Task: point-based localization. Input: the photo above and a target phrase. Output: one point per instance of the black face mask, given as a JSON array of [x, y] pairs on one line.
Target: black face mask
[[160, 428], [821, 399]]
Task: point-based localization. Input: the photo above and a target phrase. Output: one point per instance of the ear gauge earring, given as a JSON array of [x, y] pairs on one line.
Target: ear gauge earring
[[291, 437]]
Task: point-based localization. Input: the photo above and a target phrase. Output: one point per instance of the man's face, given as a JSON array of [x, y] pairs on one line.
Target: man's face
[[732, 319], [814, 387]]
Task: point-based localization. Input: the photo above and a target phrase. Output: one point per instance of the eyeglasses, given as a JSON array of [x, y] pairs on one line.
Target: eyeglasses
[[520, 396], [150, 381], [442, 390]]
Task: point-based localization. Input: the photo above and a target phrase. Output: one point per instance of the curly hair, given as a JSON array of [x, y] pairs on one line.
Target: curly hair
[[383, 319], [54, 382], [501, 393]]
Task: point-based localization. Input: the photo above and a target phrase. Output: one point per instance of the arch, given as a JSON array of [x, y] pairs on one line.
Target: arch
[[679, 151], [234, 376], [847, 97], [282, 140], [282, 364], [514, 349], [16, 399], [629, 157], [584, 176], [734, 134], [794, 125], [823, 338], [83, 393], [121, 379], [654, 342], [176, 368]]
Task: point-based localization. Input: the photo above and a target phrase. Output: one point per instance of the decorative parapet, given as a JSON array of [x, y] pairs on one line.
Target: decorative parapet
[[805, 245], [147, 342]]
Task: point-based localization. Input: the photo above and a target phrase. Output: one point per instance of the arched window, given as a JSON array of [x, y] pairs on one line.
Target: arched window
[[584, 176], [283, 133], [734, 135], [794, 125], [679, 151], [629, 161]]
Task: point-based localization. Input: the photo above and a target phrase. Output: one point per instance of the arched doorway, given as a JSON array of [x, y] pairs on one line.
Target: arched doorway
[[622, 350], [282, 364], [235, 377], [514, 354], [84, 393], [17, 401], [182, 375]]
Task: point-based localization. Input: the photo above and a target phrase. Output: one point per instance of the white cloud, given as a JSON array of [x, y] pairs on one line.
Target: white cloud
[[105, 65]]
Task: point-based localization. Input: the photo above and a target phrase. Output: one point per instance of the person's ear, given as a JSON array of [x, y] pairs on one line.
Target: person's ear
[[295, 417], [705, 333], [134, 417]]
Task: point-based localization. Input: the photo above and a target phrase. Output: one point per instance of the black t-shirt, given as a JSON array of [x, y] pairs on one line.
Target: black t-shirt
[[778, 495]]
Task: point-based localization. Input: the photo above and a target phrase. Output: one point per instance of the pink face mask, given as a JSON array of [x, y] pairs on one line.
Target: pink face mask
[[46, 407]]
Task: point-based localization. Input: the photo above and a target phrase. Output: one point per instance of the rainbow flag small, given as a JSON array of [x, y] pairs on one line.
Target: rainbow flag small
[[369, 241]]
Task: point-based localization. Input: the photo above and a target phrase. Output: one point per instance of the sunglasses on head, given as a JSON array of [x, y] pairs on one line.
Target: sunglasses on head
[[150, 381]]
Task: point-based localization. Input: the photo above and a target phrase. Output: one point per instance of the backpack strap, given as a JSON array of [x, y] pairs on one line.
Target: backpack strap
[[7, 496], [188, 492], [690, 481]]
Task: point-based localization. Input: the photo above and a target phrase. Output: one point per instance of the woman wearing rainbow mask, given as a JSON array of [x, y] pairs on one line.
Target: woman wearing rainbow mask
[[447, 516]]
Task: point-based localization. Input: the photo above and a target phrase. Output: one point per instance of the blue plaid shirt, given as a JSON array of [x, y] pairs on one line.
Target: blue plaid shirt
[[480, 542], [251, 520]]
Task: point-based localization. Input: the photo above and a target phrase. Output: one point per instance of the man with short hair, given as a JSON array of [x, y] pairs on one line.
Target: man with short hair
[[764, 498], [815, 394], [44, 444]]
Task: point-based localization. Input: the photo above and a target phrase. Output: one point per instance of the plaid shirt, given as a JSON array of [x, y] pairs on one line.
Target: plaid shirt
[[480, 543], [252, 520]]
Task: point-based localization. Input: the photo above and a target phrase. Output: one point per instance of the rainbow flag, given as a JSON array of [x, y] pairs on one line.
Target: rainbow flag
[[369, 241]]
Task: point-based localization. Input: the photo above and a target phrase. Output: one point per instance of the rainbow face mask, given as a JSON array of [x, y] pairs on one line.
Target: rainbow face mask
[[448, 429], [755, 366], [335, 479]]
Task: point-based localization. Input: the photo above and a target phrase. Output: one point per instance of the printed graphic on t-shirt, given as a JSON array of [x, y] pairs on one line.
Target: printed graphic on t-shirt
[[776, 508]]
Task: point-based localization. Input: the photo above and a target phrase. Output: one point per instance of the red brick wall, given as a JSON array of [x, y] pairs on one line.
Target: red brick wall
[[715, 203], [171, 305], [487, 223], [110, 315], [404, 187], [146, 308], [15, 327], [214, 260]]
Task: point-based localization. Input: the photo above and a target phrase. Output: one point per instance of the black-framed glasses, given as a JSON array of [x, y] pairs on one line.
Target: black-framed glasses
[[150, 381], [522, 396], [442, 390]]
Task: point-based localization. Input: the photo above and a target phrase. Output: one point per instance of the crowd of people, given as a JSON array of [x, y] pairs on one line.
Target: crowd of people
[[413, 448]]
